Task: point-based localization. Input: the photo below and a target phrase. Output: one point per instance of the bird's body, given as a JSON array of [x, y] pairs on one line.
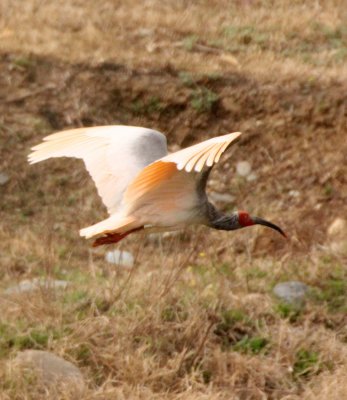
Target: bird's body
[[142, 186]]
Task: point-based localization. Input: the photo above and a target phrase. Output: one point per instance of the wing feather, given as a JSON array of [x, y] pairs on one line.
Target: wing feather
[[169, 201], [113, 155], [215, 145], [212, 154], [165, 178], [150, 177], [196, 157], [135, 178], [114, 223]]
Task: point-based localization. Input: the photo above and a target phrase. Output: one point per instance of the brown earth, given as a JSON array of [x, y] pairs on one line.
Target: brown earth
[[294, 131]]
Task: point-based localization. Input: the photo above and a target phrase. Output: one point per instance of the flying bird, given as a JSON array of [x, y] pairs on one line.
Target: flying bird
[[143, 187]]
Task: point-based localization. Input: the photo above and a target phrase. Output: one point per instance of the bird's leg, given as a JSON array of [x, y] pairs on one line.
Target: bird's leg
[[113, 237], [109, 238]]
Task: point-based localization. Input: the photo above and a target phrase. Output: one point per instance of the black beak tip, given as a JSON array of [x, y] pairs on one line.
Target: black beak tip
[[260, 221], [283, 234]]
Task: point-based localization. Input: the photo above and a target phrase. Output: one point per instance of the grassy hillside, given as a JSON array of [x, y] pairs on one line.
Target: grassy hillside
[[196, 317]]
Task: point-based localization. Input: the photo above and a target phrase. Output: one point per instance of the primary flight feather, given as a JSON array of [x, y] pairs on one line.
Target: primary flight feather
[[142, 186]]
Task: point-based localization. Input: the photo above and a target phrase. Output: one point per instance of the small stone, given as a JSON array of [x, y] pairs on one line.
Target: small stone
[[171, 234], [224, 198], [29, 285], [4, 178], [144, 32], [294, 193], [122, 258], [337, 234], [49, 368], [337, 228], [279, 123], [339, 247], [252, 177], [292, 292], [151, 47], [243, 168]]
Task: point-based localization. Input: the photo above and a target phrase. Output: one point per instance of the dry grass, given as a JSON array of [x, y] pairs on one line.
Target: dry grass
[[226, 35], [177, 328], [195, 318]]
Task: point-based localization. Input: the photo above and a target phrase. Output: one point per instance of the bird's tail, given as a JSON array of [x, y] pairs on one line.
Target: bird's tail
[[113, 237], [114, 224]]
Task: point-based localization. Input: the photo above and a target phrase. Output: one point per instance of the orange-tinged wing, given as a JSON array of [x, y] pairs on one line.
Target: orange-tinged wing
[[169, 184], [205, 153], [164, 196], [150, 178]]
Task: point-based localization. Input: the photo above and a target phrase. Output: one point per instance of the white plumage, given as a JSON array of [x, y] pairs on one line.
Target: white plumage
[[138, 182], [113, 155]]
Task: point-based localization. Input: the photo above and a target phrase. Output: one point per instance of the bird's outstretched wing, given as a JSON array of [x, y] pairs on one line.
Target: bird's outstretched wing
[[169, 184], [113, 155], [206, 153]]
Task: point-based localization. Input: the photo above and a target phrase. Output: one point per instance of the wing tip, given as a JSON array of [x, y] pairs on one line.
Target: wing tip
[[35, 157], [31, 158], [235, 135], [222, 142]]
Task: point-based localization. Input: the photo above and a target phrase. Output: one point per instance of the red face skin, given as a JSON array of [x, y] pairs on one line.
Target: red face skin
[[245, 219]]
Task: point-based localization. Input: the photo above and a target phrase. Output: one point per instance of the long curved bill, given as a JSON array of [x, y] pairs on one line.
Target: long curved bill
[[260, 221]]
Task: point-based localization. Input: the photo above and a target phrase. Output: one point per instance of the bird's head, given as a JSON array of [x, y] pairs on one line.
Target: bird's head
[[244, 220]]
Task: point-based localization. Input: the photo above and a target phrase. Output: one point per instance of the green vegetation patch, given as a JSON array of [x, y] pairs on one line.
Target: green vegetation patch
[[203, 100], [23, 62], [306, 363], [239, 333], [175, 312], [333, 292], [186, 78], [39, 339], [148, 107], [288, 311], [190, 41], [234, 325], [253, 345]]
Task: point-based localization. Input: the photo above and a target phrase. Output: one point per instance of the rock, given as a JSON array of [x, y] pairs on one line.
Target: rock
[[337, 235], [252, 177], [28, 285], [171, 234], [292, 292], [243, 168], [49, 368], [122, 258], [337, 228], [144, 32], [339, 247], [223, 198], [318, 206], [294, 193], [4, 178]]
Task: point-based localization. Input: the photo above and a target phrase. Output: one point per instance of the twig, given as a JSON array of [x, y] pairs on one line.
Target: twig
[[26, 95]]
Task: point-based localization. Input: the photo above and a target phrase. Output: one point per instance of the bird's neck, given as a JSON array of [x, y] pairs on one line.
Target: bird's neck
[[221, 221]]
